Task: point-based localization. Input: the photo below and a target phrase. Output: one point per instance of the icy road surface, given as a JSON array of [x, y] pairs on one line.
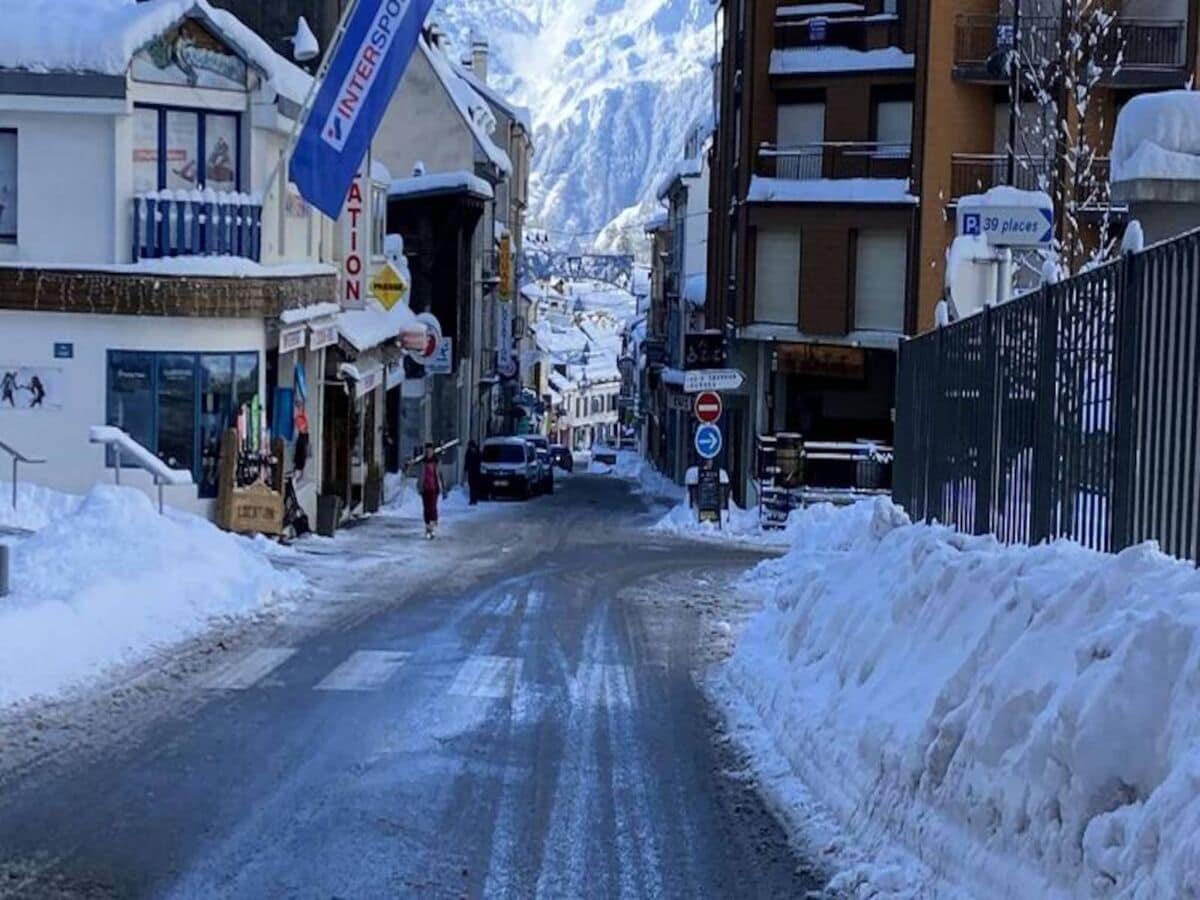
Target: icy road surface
[[528, 729]]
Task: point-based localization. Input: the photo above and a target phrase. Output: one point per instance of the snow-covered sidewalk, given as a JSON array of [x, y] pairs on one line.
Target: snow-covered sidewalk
[[939, 715]]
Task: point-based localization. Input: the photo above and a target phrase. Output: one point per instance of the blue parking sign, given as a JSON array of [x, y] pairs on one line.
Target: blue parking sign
[[972, 224]]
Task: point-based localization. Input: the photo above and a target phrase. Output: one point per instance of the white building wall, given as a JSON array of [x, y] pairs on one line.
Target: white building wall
[[695, 251], [65, 185], [61, 435]]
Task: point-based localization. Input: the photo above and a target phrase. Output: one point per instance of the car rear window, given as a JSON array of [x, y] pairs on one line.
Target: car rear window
[[503, 453]]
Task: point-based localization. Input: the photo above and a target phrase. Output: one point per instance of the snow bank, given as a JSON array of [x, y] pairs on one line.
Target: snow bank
[[1158, 136], [36, 507], [107, 580], [1025, 722]]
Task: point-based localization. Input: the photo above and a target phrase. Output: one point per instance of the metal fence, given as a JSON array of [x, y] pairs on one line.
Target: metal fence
[[1072, 412]]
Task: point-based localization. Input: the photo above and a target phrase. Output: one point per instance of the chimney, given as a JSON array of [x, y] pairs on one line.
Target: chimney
[[479, 59]]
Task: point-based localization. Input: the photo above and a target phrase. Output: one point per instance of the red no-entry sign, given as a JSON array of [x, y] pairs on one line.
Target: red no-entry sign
[[708, 406]]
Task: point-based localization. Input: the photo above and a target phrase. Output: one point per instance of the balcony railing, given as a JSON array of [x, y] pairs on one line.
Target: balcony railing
[[981, 44], [973, 173], [196, 223], [851, 159]]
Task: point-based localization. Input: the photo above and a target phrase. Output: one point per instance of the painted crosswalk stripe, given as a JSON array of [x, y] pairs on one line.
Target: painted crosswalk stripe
[[364, 670], [492, 677], [604, 685], [249, 669]]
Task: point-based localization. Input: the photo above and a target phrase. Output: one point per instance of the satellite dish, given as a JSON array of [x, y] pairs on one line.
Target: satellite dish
[[304, 42]]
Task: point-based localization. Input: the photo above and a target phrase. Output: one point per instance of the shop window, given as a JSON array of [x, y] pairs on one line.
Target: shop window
[[178, 405], [8, 186], [184, 149]]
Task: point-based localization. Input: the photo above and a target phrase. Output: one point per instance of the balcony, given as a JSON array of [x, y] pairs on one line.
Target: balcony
[[855, 32], [1151, 52], [196, 223], [975, 173], [846, 159]]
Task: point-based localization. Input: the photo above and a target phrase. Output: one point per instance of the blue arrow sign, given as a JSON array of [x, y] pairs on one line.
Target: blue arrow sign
[[708, 441]]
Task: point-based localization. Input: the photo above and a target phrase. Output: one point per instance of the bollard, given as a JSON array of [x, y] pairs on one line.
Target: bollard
[[3, 570]]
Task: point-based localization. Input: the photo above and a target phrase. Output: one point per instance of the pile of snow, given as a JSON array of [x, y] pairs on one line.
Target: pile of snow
[[1005, 195], [107, 580], [36, 506], [810, 60], [993, 721], [1158, 137]]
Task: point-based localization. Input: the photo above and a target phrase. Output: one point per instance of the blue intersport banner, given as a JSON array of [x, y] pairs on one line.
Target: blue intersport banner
[[378, 43]]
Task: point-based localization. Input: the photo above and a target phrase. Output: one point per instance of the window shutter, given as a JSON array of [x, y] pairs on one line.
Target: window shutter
[[879, 280], [777, 278], [800, 124], [893, 122]]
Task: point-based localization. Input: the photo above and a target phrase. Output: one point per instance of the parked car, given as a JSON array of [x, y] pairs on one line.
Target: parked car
[[545, 465], [561, 457], [509, 467]]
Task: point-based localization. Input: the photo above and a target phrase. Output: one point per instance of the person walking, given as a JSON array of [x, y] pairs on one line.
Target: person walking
[[431, 489], [474, 468]]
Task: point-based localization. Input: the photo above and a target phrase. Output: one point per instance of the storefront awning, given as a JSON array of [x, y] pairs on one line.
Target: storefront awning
[[364, 329]]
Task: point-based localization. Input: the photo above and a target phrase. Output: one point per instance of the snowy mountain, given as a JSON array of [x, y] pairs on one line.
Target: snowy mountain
[[613, 86]]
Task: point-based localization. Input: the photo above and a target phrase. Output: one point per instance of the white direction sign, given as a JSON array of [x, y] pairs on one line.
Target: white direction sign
[[718, 380], [1008, 226]]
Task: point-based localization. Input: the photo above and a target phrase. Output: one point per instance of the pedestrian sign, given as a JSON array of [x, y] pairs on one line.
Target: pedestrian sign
[[389, 287], [708, 441]]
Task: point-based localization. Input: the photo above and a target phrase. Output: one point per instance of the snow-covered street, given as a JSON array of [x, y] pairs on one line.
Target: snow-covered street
[[508, 711]]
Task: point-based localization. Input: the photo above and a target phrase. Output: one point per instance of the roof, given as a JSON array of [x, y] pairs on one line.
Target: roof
[[442, 183], [809, 60], [475, 112], [517, 113], [102, 37], [684, 168]]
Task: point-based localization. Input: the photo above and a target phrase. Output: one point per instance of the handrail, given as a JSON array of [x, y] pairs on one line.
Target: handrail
[[17, 459], [111, 436]]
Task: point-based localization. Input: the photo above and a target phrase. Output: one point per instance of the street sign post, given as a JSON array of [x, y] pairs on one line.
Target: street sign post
[[712, 380], [1008, 226], [709, 505], [708, 441], [708, 406]]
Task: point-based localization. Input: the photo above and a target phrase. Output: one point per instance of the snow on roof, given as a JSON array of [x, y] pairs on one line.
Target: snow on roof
[[103, 36], [517, 113], [1158, 137], [380, 173], [684, 168], [656, 222], [442, 183], [309, 313], [558, 341], [830, 190], [1003, 195], [805, 60], [817, 9], [561, 383], [366, 328], [196, 266], [473, 108]]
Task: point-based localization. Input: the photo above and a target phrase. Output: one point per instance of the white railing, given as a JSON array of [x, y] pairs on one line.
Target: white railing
[[124, 446], [18, 459]]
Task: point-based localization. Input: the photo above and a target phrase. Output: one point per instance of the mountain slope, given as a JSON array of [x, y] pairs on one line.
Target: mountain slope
[[613, 86]]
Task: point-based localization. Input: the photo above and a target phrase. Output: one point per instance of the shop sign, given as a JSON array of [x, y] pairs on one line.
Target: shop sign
[[292, 339], [389, 286], [190, 55], [679, 403], [442, 361], [355, 223], [324, 334], [368, 382], [30, 388], [705, 350], [506, 278], [505, 364]]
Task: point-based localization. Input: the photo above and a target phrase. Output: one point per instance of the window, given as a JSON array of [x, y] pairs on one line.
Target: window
[[182, 149], [8, 186], [777, 278], [879, 280], [378, 219], [177, 405], [800, 124], [893, 122]]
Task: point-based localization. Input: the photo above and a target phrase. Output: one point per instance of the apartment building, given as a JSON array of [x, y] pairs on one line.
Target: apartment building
[[962, 107], [813, 216]]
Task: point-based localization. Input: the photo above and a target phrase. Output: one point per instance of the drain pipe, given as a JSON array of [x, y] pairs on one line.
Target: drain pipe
[[3, 570]]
